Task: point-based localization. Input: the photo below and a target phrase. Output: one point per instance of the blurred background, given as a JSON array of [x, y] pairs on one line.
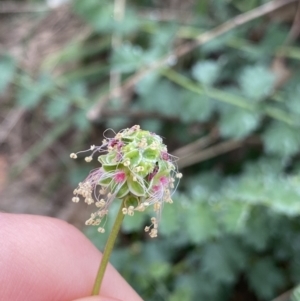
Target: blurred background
[[219, 80]]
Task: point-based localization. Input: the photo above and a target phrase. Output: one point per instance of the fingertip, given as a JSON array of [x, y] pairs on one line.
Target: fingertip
[[96, 298]]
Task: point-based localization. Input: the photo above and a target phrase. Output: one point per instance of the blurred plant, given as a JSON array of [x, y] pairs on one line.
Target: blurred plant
[[226, 98]]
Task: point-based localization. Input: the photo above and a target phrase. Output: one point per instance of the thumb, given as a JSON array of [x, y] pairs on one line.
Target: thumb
[[96, 298]]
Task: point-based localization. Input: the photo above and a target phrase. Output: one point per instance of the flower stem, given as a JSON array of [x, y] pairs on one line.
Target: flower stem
[[107, 251]]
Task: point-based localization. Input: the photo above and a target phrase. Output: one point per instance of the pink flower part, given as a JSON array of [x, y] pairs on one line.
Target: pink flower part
[[156, 188], [164, 156], [120, 176], [164, 181]]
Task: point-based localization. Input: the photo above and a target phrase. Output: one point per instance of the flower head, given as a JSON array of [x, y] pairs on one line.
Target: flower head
[[136, 167]]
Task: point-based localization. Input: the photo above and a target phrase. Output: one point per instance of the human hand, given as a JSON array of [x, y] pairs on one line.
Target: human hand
[[46, 259]]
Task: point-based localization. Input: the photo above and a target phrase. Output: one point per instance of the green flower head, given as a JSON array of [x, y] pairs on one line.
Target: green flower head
[[136, 167]]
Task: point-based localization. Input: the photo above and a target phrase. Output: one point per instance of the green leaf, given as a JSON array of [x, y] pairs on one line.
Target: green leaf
[[256, 232], [256, 82], [234, 215], [98, 14], [31, 93], [80, 120], [296, 294], [134, 223], [238, 123], [216, 264], [281, 139], [147, 83], [7, 71], [201, 223], [129, 24], [159, 270], [128, 58], [171, 219], [265, 278], [57, 107], [196, 107], [165, 99], [206, 72]]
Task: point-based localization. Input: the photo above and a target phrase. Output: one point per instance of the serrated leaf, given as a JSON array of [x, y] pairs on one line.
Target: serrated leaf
[[238, 123], [265, 278], [206, 72], [196, 107], [234, 215], [201, 223], [281, 139], [147, 83], [165, 98], [256, 232], [256, 82], [128, 58], [216, 264], [7, 70]]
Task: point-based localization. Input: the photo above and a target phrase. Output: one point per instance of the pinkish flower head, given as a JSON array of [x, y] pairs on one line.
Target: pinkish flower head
[[135, 165]]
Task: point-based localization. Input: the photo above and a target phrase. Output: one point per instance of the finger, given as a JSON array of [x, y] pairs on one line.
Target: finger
[[96, 298], [45, 258]]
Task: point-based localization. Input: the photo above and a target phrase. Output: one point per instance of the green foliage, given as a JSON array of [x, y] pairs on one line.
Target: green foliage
[[31, 93], [256, 82], [196, 107], [232, 232], [206, 72], [7, 70], [128, 58], [273, 278], [281, 139], [164, 98], [57, 107], [237, 123]]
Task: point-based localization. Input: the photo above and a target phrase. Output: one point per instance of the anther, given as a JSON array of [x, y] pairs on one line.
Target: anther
[[75, 199], [73, 156], [101, 230], [179, 175]]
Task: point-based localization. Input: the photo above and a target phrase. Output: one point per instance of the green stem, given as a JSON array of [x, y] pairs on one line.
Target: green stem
[[107, 251]]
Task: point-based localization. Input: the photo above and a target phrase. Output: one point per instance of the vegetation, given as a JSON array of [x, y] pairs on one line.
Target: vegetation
[[227, 102]]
